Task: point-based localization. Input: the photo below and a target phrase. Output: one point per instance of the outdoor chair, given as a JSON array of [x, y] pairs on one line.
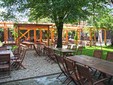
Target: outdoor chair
[[68, 46], [50, 54], [5, 63], [17, 62], [71, 71], [62, 66], [109, 57], [3, 48], [17, 51], [74, 47], [86, 77], [45, 50], [79, 50], [38, 49], [97, 53]]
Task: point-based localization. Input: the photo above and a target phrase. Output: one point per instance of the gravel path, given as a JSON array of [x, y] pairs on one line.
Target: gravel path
[[35, 66]]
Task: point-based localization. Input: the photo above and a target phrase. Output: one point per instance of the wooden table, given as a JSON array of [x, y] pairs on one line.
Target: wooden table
[[62, 50], [8, 52], [99, 64], [28, 44], [9, 43]]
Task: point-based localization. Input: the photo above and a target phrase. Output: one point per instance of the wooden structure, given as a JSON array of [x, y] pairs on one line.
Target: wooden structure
[[5, 26], [42, 27], [91, 32], [77, 29], [34, 27]]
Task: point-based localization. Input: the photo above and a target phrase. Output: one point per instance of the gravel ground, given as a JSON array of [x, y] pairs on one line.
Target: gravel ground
[[35, 66]]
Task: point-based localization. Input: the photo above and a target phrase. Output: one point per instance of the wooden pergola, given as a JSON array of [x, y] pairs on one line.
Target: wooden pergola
[[92, 30], [34, 27], [77, 29], [40, 27], [5, 26]]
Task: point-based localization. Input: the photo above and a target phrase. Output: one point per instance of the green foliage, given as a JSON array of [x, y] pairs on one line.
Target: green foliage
[[60, 11], [105, 20], [102, 16], [57, 10], [75, 37]]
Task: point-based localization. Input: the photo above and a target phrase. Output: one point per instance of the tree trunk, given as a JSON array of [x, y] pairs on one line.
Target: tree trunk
[[59, 31]]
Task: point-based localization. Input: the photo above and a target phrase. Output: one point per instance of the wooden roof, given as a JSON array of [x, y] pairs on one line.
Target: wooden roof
[[6, 24], [33, 26]]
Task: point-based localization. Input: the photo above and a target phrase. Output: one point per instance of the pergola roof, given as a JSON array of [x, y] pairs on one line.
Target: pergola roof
[[33, 26], [6, 24]]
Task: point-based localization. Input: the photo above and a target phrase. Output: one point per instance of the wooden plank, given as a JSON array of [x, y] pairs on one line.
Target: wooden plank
[[24, 34], [24, 28]]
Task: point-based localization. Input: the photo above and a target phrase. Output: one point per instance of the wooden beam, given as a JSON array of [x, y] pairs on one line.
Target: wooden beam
[[52, 36], [28, 35], [90, 36], [40, 36], [5, 33], [95, 36], [24, 34], [78, 32], [24, 28], [105, 36], [66, 36], [35, 35], [48, 36]]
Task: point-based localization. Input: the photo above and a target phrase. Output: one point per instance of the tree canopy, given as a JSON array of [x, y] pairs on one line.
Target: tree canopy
[[60, 11]]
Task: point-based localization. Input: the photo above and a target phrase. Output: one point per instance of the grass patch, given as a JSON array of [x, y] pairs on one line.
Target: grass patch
[[89, 50]]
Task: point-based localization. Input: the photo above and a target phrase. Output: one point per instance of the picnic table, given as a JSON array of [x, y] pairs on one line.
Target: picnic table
[[96, 63], [28, 44], [7, 52], [62, 51]]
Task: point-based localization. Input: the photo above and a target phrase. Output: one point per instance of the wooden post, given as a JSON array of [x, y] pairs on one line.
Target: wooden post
[[34, 35], [48, 36], [90, 36], [94, 36], [66, 36], [29, 35], [18, 40], [52, 35], [78, 34], [40, 35], [105, 36], [5, 33], [16, 35]]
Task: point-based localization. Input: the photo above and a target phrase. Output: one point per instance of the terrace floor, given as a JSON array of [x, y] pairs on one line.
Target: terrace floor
[[45, 80], [35, 66]]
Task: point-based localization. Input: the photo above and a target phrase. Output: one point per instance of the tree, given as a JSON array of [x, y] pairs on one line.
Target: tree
[[60, 11], [103, 18]]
